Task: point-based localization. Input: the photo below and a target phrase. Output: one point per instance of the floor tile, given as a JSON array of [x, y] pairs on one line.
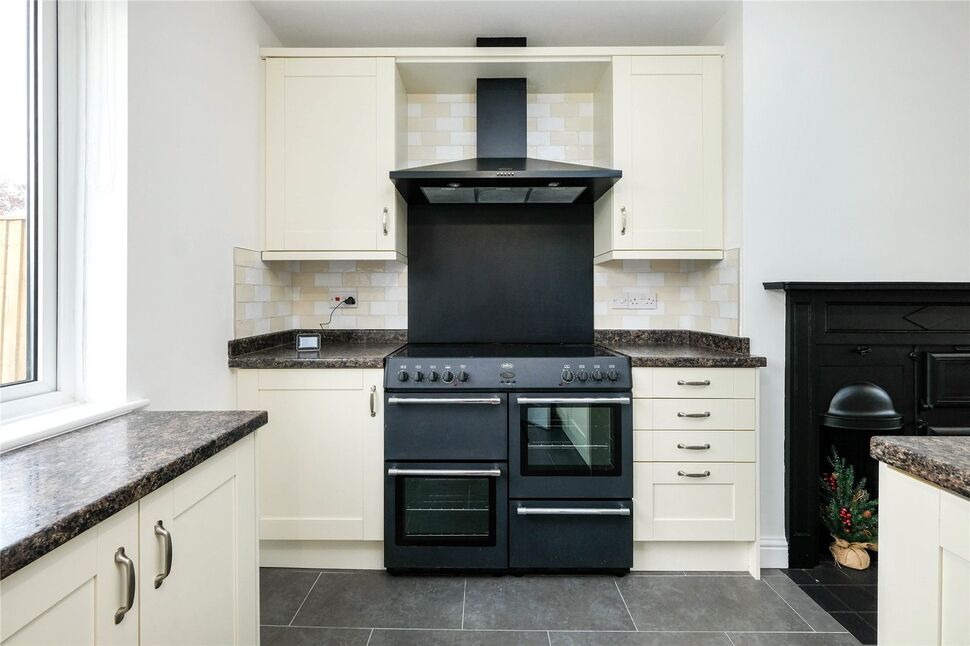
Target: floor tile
[[799, 576], [869, 576], [374, 599], [871, 618], [717, 573], [858, 626], [793, 639], [857, 597], [806, 608], [458, 638], [547, 602], [707, 603], [638, 639], [273, 636], [824, 597], [826, 573], [281, 592]]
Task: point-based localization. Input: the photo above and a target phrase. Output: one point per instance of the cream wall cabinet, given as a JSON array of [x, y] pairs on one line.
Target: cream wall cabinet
[[335, 128], [321, 455], [924, 562], [72, 594], [665, 127]]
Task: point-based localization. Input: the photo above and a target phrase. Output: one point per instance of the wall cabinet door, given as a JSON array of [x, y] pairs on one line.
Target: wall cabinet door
[[206, 592], [667, 140], [333, 132], [71, 595], [321, 455]]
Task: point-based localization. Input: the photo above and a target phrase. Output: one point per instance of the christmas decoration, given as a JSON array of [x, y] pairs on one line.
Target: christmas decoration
[[848, 514]]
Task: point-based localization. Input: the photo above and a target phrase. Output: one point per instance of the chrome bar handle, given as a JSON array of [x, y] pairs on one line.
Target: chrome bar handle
[[384, 220], [479, 473], [167, 540], [572, 511], [684, 474], [494, 400], [622, 220], [694, 447], [122, 559], [706, 413], [706, 382], [373, 401], [573, 400]]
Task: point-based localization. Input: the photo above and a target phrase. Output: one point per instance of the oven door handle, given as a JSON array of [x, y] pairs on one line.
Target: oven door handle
[[573, 400], [492, 401], [572, 511], [478, 473]]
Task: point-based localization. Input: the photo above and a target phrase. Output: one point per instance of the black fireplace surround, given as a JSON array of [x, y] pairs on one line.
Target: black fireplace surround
[[866, 359]]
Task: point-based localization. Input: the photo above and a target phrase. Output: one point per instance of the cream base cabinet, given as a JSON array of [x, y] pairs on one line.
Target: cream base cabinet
[[334, 130], [666, 137], [321, 454], [71, 595]]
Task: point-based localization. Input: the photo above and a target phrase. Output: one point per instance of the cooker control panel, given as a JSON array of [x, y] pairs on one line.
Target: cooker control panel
[[546, 373]]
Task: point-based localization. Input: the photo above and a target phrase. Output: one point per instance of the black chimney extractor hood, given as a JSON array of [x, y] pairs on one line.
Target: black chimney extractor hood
[[502, 174]]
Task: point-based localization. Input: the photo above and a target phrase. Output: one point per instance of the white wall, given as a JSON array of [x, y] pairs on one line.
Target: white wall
[[856, 166], [195, 97]]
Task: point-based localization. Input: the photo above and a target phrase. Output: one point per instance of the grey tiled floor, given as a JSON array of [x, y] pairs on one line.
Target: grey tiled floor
[[371, 608]]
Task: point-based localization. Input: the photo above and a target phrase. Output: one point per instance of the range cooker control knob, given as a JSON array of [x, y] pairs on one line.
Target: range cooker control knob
[[597, 375], [448, 376], [418, 375], [462, 376], [582, 375], [567, 376], [402, 376], [612, 375], [433, 376]]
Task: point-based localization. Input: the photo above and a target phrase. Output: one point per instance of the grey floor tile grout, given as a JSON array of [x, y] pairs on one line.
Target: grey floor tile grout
[[767, 583], [624, 604], [549, 637], [568, 630], [729, 639], [369, 636], [319, 574], [464, 594]]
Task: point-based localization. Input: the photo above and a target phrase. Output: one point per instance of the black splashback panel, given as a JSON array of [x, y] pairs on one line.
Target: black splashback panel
[[481, 273]]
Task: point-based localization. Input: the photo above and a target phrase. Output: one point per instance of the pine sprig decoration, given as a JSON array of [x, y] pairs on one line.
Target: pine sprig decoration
[[846, 509]]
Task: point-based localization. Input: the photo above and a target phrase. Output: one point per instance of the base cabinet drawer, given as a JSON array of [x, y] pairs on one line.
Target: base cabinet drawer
[[713, 383], [597, 534], [694, 446], [700, 414], [694, 501]]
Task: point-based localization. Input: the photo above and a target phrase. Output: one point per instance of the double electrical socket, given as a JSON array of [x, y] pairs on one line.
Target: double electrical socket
[[338, 297], [633, 301]]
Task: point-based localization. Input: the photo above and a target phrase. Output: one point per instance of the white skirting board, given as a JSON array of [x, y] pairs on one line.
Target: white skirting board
[[693, 556], [329, 555], [774, 552]]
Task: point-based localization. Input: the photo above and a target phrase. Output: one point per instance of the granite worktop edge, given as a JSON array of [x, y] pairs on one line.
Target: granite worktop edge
[[941, 460]]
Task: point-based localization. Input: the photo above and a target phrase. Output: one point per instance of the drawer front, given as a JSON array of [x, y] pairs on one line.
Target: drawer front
[[670, 505], [694, 414], [694, 446], [711, 383]]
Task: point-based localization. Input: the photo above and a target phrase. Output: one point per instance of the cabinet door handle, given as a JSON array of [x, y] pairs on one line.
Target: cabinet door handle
[[373, 401], [622, 220], [685, 474], [384, 220], [122, 559], [167, 539], [706, 413], [694, 447], [863, 350], [706, 382]]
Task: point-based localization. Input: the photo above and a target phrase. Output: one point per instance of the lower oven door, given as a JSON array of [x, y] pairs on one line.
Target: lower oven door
[[446, 515], [571, 446], [571, 534]]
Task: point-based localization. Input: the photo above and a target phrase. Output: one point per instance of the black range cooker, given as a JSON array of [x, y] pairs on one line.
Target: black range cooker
[[508, 456]]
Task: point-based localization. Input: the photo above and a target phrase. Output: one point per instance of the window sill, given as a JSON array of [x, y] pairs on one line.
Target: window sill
[[39, 427]]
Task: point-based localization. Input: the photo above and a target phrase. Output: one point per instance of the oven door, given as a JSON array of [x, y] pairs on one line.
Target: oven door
[[571, 446], [445, 515]]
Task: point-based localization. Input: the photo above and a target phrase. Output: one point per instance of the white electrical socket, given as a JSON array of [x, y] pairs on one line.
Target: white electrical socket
[[642, 301], [621, 302], [337, 297]]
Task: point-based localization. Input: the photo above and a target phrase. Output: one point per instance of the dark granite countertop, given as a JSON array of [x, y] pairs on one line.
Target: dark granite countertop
[[944, 461], [339, 349], [680, 349], [57, 488]]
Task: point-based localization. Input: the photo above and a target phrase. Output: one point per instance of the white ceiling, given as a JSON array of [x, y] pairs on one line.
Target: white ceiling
[[456, 23]]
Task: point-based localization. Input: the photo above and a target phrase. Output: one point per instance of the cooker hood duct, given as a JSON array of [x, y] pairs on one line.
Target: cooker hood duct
[[502, 174]]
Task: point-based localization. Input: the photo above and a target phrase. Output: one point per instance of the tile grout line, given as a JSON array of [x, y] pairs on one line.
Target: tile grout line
[[549, 638], [371, 634], [729, 638], [770, 587], [319, 574], [568, 630], [630, 614], [464, 593]]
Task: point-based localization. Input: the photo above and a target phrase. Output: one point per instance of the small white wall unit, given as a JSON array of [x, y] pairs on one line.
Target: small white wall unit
[[666, 138], [72, 594], [694, 474], [333, 133], [924, 562], [320, 459]]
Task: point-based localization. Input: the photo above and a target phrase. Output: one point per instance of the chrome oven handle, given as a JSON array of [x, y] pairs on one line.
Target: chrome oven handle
[[480, 473], [572, 511], [495, 400], [573, 400]]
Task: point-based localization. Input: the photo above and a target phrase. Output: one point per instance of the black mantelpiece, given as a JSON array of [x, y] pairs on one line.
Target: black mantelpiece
[[842, 333]]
